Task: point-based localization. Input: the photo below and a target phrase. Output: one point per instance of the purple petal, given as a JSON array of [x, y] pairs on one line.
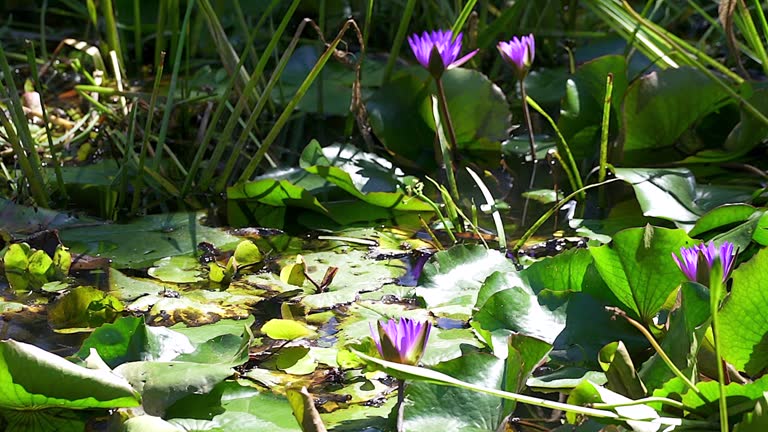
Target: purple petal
[[376, 338], [448, 47]]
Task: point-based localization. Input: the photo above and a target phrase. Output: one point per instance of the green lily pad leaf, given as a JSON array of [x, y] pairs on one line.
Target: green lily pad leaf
[[226, 349], [761, 231], [39, 264], [524, 355], [15, 262], [146, 240], [744, 317], [48, 420], [735, 393], [472, 97], [18, 221], [277, 193], [588, 393], [661, 105], [337, 79], [393, 200], [357, 273], [204, 333], [8, 307], [433, 407], [247, 253], [129, 339], [638, 267], [570, 271], [26, 374], [368, 171], [149, 423], [197, 307], [722, 217], [282, 329], [177, 269], [516, 309], [163, 383], [233, 406], [296, 361], [750, 131], [620, 371], [565, 379], [451, 280], [672, 194], [448, 344], [84, 307], [127, 288]]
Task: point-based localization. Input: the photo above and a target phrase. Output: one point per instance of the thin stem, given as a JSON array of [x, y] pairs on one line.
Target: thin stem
[[446, 115], [532, 230], [678, 373], [715, 293], [604, 131], [651, 399], [528, 123], [532, 142], [573, 171], [400, 404], [443, 117]]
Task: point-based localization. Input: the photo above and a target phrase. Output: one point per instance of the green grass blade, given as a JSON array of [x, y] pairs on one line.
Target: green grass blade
[[46, 122], [139, 186], [19, 120], [462, 18], [402, 29], [110, 26], [166, 121], [288, 111], [218, 151]]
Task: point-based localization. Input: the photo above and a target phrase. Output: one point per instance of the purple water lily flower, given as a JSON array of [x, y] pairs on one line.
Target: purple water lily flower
[[519, 52], [438, 51], [695, 257], [401, 341]]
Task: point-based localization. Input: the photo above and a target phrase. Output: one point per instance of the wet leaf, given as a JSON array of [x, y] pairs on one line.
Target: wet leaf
[[246, 254], [673, 194], [84, 307], [744, 317], [163, 383], [661, 105], [146, 240], [451, 280], [177, 269], [27, 373], [434, 407], [638, 267], [281, 329]]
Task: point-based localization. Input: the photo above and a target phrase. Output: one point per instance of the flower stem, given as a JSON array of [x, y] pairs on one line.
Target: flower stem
[[531, 141], [675, 370], [400, 404], [449, 154], [528, 123], [715, 292], [446, 115]]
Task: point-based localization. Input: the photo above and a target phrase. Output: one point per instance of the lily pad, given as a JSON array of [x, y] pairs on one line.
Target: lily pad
[[142, 242], [27, 373], [744, 317], [638, 267]]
